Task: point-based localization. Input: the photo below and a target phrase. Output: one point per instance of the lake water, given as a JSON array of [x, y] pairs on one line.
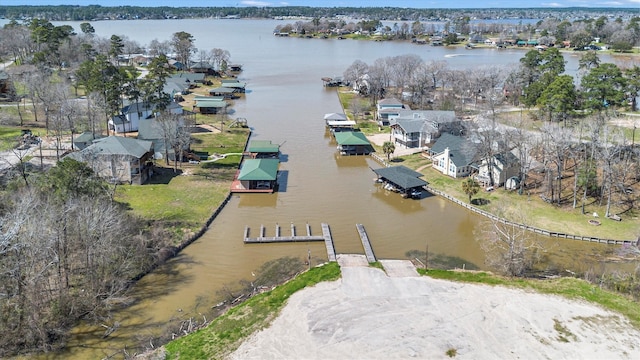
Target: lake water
[[286, 103]]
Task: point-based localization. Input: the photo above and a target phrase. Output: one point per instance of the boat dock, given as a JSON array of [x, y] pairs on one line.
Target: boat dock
[[368, 251], [263, 239]]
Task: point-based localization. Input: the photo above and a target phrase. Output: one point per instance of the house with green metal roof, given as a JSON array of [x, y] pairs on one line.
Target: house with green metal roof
[[257, 175], [118, 159], [353, 143], [263, 149]]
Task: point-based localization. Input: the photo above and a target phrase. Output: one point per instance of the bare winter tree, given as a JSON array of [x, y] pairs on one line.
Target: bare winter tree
[[175, 134], [508, 247], [559, 143], [220, 58], [355, 74], [403, 68]]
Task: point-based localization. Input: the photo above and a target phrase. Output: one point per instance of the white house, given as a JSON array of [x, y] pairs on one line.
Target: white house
[[453, 155]]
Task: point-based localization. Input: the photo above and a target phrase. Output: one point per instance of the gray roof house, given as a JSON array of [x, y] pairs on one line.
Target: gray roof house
[[453, 155], [388, 107], [118, 159], [150, 130], [417, 128]]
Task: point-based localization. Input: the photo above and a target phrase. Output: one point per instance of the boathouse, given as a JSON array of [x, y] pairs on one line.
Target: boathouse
[[256, 175], [224, 92], [337, 122], [263, 149], [401, 179], [210, 105], [353, 143], [237, 86]]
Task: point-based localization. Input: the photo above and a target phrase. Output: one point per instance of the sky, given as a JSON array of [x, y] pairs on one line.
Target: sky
[[338, 3]]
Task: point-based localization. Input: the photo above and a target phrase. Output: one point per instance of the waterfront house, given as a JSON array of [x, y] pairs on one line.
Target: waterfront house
[[256, 175], [353, 143], [151, 130], [130, 116], [453, 155], [502, 167], [118, 159], [203, 68], [263, 149], [388, 107], [417, 128]]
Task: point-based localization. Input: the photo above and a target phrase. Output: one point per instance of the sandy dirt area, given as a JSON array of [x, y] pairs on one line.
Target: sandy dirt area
[[369, 314]]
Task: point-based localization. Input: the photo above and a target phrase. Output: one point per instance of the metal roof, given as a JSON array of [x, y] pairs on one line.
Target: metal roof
[[210, 103], [263, 146], [114, 145], [259, 169], [221, 90], [401, 176], [351, 138], [335, 116]]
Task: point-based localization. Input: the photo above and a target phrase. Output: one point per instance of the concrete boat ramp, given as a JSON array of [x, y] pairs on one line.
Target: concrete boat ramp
[[294, 237]]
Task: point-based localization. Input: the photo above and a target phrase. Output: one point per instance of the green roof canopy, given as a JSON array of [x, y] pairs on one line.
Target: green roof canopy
[[206, 103], [351, 138], [263, 146], [259, 169]]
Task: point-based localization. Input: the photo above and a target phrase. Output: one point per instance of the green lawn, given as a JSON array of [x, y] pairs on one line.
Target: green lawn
[[8, 137], [189, 196]]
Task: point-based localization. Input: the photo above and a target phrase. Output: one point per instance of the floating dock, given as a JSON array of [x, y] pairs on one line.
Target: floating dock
[[368, 251], [262, 239]]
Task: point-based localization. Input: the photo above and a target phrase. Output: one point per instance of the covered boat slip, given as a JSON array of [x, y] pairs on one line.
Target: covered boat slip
[[353, 143], [256, 175], [263, 149], [402, 179]]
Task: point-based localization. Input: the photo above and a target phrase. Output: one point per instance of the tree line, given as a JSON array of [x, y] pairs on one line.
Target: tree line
[[619, 35], [68, 251], [97, 12]]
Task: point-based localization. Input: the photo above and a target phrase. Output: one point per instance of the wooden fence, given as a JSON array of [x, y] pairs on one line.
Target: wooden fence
[[511, 223]]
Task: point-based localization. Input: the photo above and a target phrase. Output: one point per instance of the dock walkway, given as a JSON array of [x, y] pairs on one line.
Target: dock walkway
[[368, 251], [326, 237]]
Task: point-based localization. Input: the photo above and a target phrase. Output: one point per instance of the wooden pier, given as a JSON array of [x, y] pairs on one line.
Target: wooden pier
[[262, 239], [368, 251], [328, 242]]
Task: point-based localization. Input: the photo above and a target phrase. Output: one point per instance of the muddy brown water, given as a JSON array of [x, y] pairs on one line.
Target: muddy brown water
[[285, 103]]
